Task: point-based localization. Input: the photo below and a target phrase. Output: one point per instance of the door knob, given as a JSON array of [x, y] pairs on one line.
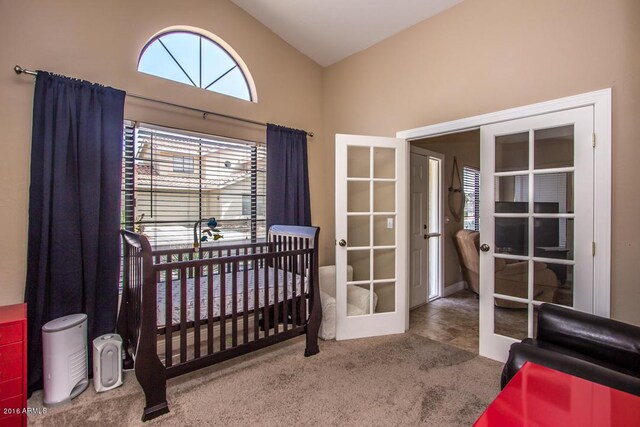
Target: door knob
[[426, 236], [342, 242], [484, 247]]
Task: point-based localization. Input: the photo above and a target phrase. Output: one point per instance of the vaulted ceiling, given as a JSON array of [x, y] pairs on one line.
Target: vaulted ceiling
[[330, 30]]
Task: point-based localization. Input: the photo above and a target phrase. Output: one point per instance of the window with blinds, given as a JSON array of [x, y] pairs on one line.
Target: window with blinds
[[172, 179], [471, 184]]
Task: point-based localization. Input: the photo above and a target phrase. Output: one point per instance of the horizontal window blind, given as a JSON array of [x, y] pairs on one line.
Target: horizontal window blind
[[171, 179], [471, 184]]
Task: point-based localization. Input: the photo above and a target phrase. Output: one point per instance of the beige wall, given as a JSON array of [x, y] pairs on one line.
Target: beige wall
[[466, 148], [100, 42], [488, 55]]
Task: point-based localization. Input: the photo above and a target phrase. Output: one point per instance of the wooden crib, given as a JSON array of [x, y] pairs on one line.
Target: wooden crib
[[182, 309]]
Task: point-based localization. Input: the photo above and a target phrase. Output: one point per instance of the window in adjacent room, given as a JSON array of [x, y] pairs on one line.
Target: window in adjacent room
[[218, 177], [197, 58], [471, 183]]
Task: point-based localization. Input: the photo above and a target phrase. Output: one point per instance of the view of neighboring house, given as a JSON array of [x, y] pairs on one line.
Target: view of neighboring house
[[182, 177]]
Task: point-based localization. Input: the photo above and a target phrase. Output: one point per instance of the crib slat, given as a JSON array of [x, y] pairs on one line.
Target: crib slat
[[234, 304], [196, 312], [168, 318], [157, 261], [285, 299], [305, 285], [265, 307], [210, 297], [256, 299], [294, 278], [276, 285], [183, 314], [245, 301], [223, 306]]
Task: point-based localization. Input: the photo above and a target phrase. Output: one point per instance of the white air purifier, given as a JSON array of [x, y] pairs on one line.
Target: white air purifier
[[107, 362], [64, 351]]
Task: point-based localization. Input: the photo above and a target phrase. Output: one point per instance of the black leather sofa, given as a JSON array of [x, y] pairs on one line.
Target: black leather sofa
[[597, 349]]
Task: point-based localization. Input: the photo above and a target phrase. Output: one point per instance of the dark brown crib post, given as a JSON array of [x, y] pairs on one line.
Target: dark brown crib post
[[150, 372], [315, 316]]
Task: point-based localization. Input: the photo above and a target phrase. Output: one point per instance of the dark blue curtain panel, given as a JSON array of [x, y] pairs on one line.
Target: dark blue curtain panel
[[288, 201], [74, 209]]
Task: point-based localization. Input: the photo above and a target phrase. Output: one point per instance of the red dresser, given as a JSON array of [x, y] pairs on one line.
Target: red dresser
[[13, 365]]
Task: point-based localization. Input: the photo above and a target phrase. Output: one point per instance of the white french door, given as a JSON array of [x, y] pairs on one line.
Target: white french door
[[371, 235], [536, 222]]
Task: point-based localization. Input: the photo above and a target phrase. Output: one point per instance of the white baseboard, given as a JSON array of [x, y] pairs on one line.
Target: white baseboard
[[452, 289]]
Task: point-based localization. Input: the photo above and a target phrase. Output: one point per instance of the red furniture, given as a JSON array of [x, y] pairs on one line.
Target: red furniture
[[540, 396], [13, 365]]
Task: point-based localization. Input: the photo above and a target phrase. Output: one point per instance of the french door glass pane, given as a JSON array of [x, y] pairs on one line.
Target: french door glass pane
[[358, 300], [512, 236], [384, 160], [358, 200], [386, 294], [512, 194], [383, 235], [360, 261], [384, 264], [553, 192], [511, 322], [358, 230], [553, 147], [511, 278], [554, 284], [358, 164], [384, 196], [512, 152]]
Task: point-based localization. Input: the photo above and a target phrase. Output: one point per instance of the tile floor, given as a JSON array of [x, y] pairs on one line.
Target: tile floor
[[455, 319]]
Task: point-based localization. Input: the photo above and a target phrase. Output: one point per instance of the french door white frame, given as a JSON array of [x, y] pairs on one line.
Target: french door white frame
[[601, 102], [373, 323]]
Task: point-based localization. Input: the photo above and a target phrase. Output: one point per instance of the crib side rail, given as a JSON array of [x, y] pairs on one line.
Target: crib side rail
[[253, 305], [214, 251]]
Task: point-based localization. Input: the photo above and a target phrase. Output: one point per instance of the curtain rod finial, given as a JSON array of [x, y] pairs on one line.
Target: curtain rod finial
[[18, 69]]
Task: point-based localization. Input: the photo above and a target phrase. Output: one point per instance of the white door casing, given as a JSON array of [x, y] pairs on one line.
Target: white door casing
[[581, 263], [371, 223]]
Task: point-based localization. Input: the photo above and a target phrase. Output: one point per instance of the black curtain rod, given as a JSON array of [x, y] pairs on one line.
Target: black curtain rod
[[19, 70]]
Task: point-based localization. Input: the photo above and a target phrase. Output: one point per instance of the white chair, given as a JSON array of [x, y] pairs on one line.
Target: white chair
[[358, 301]]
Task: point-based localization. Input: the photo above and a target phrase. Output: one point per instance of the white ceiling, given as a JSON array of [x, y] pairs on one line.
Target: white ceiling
[[330, 30]]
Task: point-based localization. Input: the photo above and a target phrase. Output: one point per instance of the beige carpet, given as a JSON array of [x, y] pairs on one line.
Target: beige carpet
[[398, 380]]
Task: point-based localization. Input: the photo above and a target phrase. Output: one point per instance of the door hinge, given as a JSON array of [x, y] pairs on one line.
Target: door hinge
[[593, 248], [593, 140]]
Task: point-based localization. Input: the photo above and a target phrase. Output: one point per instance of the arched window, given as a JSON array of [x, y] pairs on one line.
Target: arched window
[[197, 58]]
